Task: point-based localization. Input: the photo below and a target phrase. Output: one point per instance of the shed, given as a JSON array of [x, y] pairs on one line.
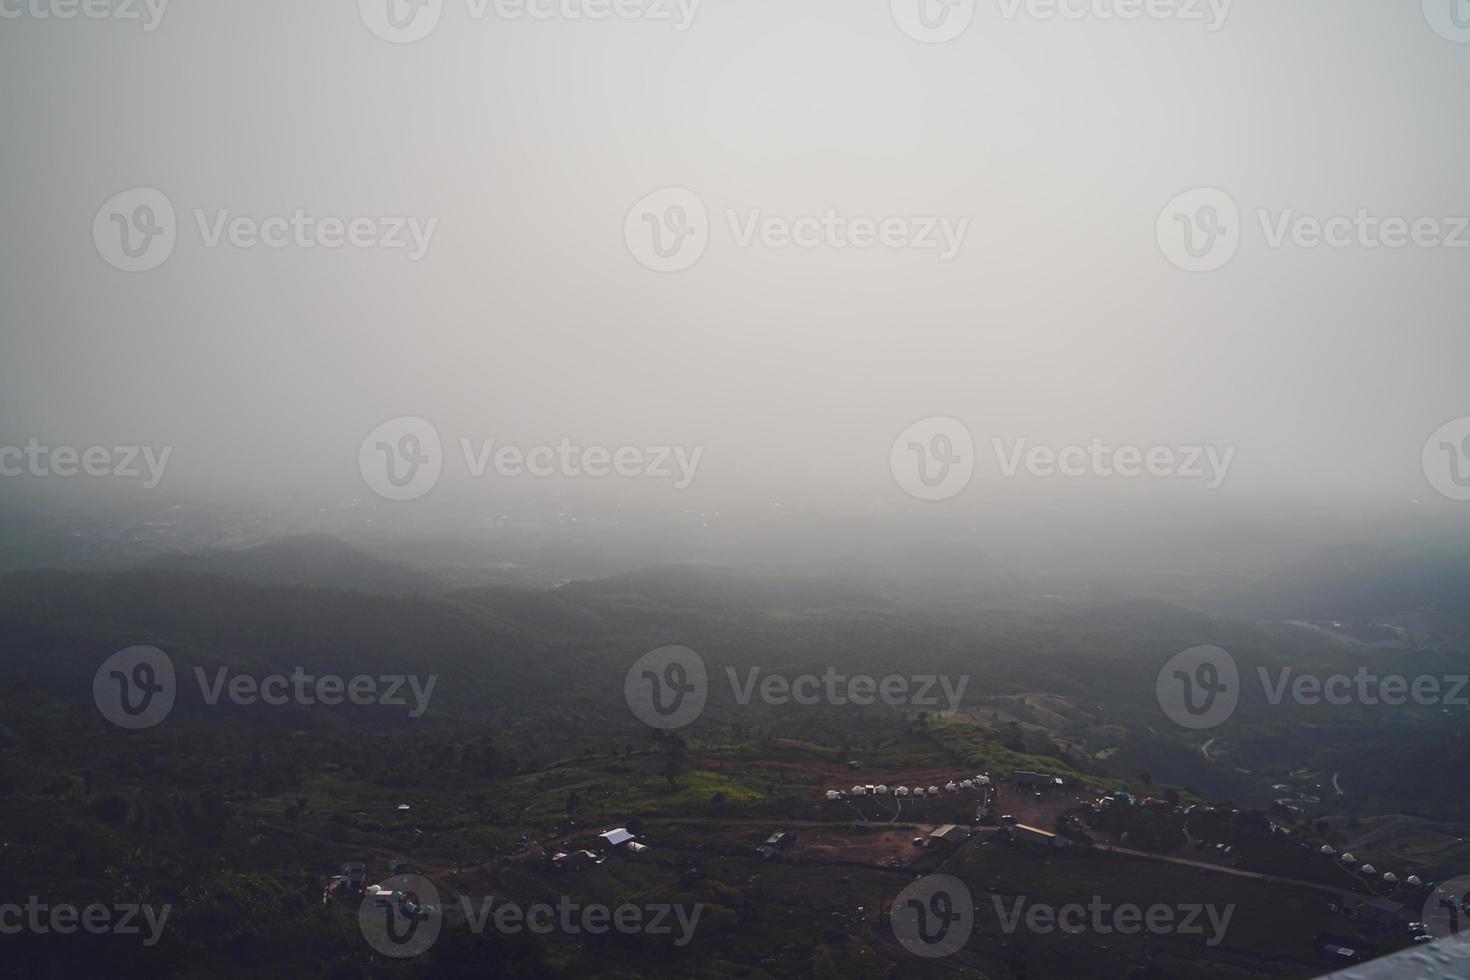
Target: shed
[[615, 838], [951, 834]]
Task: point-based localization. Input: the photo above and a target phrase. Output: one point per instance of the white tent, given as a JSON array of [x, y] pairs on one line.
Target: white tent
[[859, 791], [881, 790], [1368, 869], [901, 791], [951, 787], [967, 784], [933, 790], [1415, 880], [1348, 859], [919, 792], [1390, 877], [1328, 849], [982, 780], [832, 794]]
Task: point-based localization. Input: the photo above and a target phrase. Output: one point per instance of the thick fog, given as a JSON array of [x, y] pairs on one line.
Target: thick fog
[[468, 229]]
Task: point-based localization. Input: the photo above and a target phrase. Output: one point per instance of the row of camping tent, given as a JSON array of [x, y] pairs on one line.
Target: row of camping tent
[[1368, 869], [953, 786]]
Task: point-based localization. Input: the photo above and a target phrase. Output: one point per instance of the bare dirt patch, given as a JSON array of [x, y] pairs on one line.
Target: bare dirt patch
[[879, 848], [1027, 809]]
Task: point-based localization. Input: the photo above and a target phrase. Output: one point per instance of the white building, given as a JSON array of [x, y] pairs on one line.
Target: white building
[[615, 838]]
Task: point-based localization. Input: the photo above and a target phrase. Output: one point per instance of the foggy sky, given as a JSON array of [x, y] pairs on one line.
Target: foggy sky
[[529, 321]]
